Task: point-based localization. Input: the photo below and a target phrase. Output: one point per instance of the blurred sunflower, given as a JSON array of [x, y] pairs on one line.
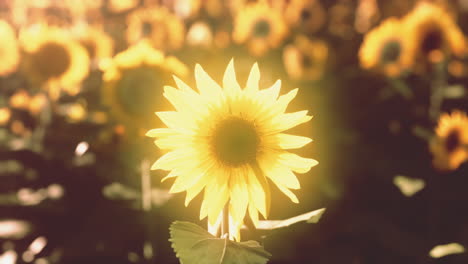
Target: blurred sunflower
[[133, 81], [260, 27], [8, 49], [52, 13], [216, 8], [121, 6], [20, 99], [450, 144], [80, 8], [432, 34], [54, 59], [385, 48], [184, 8], [164, 29], [200, 35], [228, 141], [307, 15], [97, 43], [305, 59], [5, 114]]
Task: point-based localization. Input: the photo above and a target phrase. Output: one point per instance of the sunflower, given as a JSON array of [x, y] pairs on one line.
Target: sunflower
[[305, 59], [433, 32], [307, 15], [121, 6], [54, 59], [8, 49], [52, 13], [98, 43], [164, 29], [260, 26], [133, 80], [385, 48], [5, 114], [450, 145], [200, 35], [229, 141], [184, 8]]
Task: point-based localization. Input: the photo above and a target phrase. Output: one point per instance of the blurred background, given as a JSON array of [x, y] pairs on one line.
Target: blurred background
[[385, 82]]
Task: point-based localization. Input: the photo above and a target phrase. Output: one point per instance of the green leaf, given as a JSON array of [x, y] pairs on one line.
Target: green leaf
[[194, 245]]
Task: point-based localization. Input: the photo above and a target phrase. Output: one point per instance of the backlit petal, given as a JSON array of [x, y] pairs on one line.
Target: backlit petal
[[287, 121], [296, 163], [286, 141], [253, 79], [230, 84], [207, 86], [256, 193], [239, 195], [161, 132]]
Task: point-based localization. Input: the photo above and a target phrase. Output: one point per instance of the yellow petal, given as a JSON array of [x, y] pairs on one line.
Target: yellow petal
[[239, 196], [286, 141], [296, 163], [182, 85], [270, 94], [176, 120], [184, 102], [219, 195], [207, 86], [283, 102], [256, 193], [253, 214], [173, 159], [174, 141], [161, 132], [282, 175], [253, 79], [191, 174], [194, 190], [288, 193], [286, 121], [171, 174], [185, 181], [230, 84], [204, 206]]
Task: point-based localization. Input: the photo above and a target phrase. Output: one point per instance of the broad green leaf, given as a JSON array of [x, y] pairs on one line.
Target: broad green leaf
[[444, 250], [310, 217], [194, 245]]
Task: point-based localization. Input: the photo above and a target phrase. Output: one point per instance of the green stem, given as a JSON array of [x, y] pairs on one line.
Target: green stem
[[437, 87], [401, 88], [422, 133]]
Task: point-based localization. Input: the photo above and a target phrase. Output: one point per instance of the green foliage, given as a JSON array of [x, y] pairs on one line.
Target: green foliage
[[194, 245]]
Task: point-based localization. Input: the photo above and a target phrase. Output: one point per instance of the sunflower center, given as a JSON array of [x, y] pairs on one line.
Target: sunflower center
[[147, 28], [432, 41], [305, 14], [138, 89], [390, 52], [52, 60], [307, 61], [452, 141], [235, 141], [261, 28]]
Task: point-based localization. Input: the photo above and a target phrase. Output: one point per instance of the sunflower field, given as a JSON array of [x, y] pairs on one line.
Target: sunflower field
[[234, 131]]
